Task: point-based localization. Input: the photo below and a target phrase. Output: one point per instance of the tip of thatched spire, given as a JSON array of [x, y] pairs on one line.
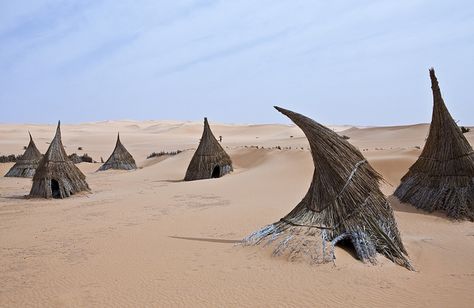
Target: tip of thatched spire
[[118, 137], [206, 125], [434, 80], [299, 119], [58, 129], [31, 138], [283, 110]]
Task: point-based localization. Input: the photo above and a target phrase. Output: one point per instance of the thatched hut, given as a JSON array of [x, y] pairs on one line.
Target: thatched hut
[[210, 160], [25, 167], [120, 158], [75, 158], [56, 175], [343, 205], [442, 179]]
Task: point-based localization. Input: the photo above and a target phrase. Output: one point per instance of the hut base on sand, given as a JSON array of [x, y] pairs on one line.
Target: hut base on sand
[[302, 235], [454, 195]]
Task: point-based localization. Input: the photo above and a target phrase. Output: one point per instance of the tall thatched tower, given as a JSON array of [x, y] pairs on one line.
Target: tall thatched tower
[[442, 179]]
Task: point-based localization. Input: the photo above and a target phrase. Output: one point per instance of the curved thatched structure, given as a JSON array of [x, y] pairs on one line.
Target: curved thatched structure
[[25, 167], [120, 159], [210, 159], [442, 179], [343, 203], [56, 175]]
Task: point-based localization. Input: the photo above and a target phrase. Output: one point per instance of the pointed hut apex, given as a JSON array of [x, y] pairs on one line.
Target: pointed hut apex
[[344, 202], [120, 159], [25, 167], [433, 76], [206, 124], [442, 179], [58, 129], [210, 160], [295, 117], [435, 87]]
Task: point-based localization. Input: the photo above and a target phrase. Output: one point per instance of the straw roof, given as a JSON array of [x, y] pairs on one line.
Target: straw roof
[[25, 166], [56, 175], [442, 179], [119, 159], [343, 204], [210, 160]]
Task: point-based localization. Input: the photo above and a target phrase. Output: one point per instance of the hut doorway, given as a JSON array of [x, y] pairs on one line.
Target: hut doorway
[[55, 189], [347, 245], [216, 173]]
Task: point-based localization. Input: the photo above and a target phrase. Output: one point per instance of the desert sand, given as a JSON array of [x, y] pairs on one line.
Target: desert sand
[[145, 238]]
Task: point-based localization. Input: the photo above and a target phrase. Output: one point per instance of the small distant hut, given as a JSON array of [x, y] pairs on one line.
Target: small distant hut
[[25, 166], [56, 175], [442, 179], [210, 160], [344, 205], [120, 158], [75, 158]]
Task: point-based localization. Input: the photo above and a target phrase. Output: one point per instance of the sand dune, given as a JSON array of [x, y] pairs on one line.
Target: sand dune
[[145, 238]]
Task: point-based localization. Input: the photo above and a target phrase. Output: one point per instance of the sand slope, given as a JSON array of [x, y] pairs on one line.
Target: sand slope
[[145, 238]]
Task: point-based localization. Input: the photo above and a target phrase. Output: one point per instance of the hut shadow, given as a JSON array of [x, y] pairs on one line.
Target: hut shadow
[[170, 181], [204, 239], [17, 197], [398, 206]]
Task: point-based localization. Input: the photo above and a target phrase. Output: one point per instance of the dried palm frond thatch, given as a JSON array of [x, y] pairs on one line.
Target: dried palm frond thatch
[[344, 203], [210, 160], [25, 166], [120, 158], [56, 175], [442, 179]]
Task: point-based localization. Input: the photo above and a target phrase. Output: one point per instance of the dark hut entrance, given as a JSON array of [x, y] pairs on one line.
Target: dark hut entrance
[[216, 173], [347, 245], [55, 189]]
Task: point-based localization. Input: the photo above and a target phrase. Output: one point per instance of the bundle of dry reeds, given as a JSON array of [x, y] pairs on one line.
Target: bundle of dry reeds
[[344, 203], [56, 175], [442, 179], [210, 160], [120, 158], [25, 166]]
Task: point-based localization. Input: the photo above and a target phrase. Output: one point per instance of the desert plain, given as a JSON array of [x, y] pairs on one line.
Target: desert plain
[[145, 238]]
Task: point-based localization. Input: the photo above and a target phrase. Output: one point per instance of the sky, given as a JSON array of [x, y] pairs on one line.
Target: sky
[[338, 62]]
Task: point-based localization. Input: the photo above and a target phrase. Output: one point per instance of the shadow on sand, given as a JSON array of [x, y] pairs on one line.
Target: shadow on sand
[[397, 206], [203, 239]]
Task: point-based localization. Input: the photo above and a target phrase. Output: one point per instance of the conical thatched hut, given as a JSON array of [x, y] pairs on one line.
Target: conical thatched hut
[[210, 159], [119, 159], [56, 175], [25, 167], [344, 205], [442, 179]]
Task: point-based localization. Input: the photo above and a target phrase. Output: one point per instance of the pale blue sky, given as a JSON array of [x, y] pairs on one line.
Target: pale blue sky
[[340, 62]]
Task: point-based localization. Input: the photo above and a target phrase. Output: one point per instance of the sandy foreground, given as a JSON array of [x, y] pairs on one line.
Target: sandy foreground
[[145, 238]]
